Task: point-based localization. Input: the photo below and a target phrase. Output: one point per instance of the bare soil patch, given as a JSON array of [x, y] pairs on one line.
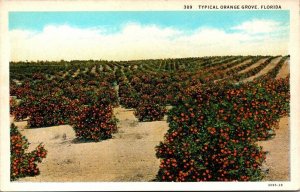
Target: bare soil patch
[[285, 70], [253, 66], [128, 156], [240, 64], [93, 70], [265, 70], [278, 157]]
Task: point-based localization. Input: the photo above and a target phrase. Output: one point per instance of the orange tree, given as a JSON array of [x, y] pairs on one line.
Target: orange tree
[[94, 121], [49, 110], [23, 163], [149, 110], [213, 131], [128, 95]]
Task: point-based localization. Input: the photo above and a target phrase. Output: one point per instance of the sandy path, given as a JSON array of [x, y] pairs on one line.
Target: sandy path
[[285, 70], [66, 73], [230, 68], [265, 70], [240, 64], [128, 156], [278, 157], [216, 67], [253, 66], [86, 70], [93, 70], [76, 73]]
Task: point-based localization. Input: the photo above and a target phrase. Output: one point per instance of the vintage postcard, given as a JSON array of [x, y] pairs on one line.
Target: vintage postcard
[[149, 95]]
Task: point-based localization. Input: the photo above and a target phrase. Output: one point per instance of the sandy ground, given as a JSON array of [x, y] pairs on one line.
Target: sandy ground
[[240, 64], [65, 73], [285, 70], [128, 156], [209, 68], [230, 68], [93, 70], [253, 66], [265, 70], [278, 148], [76, 73]]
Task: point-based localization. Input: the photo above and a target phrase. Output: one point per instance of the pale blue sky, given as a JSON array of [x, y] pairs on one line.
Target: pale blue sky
[[126, 35], [185, 20]]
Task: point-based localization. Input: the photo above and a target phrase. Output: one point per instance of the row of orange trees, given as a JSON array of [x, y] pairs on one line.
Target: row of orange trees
[[85, 102], [148, 92], [214, 129], [56, 102]]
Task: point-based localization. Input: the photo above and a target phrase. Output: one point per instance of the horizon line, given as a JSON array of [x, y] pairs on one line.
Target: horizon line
[[173, 58]]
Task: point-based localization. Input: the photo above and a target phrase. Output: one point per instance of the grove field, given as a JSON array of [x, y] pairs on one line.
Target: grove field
[[188, 119]]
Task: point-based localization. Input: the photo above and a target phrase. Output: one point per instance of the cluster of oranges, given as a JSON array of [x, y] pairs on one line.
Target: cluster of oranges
[[215, 127], [23, 163], [149, 111], [94, 122]]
